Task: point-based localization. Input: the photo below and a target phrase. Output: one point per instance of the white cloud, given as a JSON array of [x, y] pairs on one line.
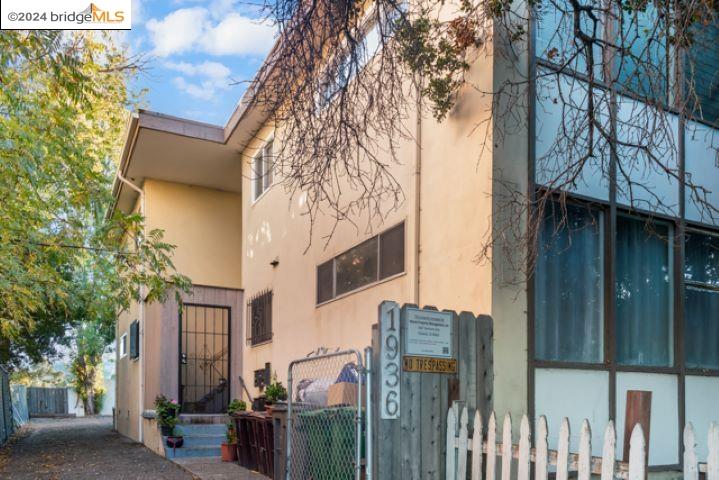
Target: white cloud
[[192, 29], [238, 35], [213, 70], [178, 32], [193, 89], [211, 78]]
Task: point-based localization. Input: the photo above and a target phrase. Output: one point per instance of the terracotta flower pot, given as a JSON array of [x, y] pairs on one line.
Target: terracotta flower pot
[[229, 452]]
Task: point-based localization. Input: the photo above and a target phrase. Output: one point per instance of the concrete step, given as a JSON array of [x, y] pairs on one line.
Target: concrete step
[[200, 440], [202, 429], [196, 451]]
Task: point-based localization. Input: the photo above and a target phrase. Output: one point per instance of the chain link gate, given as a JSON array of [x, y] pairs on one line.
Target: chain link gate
[[325, 417]]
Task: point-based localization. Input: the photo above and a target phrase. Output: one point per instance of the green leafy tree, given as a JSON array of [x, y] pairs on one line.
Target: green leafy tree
[[65, 269]]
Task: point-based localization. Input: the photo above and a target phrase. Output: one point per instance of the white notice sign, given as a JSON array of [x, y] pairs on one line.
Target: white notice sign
[[429, 333]]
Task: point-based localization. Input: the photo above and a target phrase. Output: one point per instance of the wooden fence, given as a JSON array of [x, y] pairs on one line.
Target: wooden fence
[[409, 436], [462, 457], [47, 402], [7, 426]]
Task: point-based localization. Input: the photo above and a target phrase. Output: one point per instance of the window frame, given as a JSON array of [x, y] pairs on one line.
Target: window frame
[[122, 346], [377, 281], [260, 158]]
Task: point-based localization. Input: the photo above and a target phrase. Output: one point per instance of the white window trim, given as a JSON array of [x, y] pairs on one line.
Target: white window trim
[[122, 347], [259, 155]]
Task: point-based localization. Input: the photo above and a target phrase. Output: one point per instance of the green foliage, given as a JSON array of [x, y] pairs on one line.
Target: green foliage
[[231, 434], [63, 264], [275, 391], [39, 375], [438, 58], [166, 411], [236, 406]]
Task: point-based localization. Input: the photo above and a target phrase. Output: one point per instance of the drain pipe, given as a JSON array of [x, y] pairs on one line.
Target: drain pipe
[[141, 402], [418, 191]]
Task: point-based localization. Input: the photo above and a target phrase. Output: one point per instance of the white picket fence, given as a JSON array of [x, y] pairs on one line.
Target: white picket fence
[[606, 466]]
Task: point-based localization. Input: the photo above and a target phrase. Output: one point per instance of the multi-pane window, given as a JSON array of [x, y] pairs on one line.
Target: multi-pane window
[[569, 289], [262, 167], [702, 72], [643, 293], [375, 259], [701, 301], [259, 314]]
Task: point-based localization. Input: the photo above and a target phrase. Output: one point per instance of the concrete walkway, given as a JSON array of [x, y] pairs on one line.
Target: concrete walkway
[[81, 448], [215, 469], [85, 448]]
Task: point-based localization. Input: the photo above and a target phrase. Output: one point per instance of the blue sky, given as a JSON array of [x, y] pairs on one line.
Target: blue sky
[[196, 50]]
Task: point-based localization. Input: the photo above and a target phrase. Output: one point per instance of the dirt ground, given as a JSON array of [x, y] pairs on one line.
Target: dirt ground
[[81, 448]]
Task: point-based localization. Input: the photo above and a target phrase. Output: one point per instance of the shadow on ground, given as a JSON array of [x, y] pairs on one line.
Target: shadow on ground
[[82, 448]]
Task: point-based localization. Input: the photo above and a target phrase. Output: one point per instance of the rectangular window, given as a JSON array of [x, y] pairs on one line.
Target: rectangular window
[[701, 303], [643, 293], [702, 67], [262, 166], [357, 266], [135, 340], [375, 259], [568, 286], [259, 315], [643, 68], [123, 345]]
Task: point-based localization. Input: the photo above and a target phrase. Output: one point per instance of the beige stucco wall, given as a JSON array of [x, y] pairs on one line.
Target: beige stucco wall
[[127, 378], [204, 224], [274, 228], [455, 188]]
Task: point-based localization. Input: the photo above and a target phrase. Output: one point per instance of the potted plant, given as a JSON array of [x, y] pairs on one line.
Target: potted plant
[[236, 406], [274, 392], [229, 447], [174, 440], [166, 414]]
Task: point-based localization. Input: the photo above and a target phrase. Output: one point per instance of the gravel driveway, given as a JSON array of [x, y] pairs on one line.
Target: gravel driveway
[[81, 448]]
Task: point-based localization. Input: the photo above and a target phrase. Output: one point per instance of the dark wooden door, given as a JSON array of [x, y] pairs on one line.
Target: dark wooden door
[[204, 358]]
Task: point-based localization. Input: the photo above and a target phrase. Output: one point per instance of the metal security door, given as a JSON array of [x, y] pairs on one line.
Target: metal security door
[[204, 358]]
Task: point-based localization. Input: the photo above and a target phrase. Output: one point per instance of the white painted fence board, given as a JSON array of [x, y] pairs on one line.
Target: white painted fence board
[[637, 454], [541, 450], [713, 458], [609, 452], [462, 445], [477, 446], [507, 447], [492, 448], [691, 462], [524, 459], [450, 464], [585, 452], [563, 451]]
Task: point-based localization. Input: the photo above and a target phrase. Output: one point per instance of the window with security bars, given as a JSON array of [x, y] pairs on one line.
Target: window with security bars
[[259, 316]]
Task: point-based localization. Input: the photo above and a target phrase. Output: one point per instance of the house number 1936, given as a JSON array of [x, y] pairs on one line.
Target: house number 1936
[[390, 357]]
